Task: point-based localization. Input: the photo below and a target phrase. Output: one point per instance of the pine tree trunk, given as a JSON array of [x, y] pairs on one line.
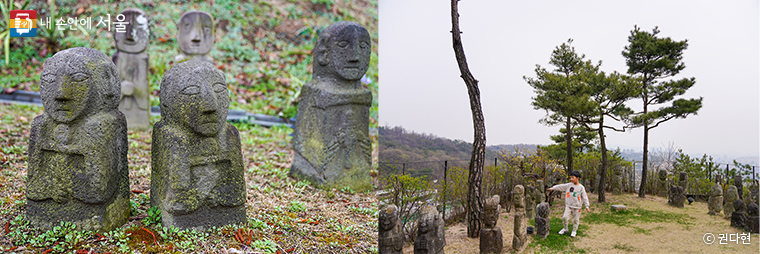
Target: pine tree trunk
[[569, 142], [603, 174], [645, 163], [474, 200]]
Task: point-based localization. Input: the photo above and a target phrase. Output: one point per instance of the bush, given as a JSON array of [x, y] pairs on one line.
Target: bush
[[409, 194]]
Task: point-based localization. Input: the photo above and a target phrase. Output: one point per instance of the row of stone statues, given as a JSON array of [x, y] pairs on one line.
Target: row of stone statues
[[78, 147]]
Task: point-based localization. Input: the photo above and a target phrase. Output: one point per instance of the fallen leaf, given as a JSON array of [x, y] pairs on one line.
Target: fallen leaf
[[80, 10]]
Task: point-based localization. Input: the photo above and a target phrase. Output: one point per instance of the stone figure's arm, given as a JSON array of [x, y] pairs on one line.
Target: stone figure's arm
[[101, 160], [171, 171], [236, 173], [34, 189], [141, 87]]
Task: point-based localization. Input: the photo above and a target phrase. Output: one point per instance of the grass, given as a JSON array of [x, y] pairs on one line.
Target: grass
[[555, 243], [625, 218]]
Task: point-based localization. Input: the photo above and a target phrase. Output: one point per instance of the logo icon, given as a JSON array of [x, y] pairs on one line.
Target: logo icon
[[23, 23]]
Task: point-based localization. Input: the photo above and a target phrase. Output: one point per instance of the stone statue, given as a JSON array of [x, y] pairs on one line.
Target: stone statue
[[195, 36], [491, 240], [731, 195], [752, 224], [197, 178], [662, 183], [675, 196], [520, 224], [739, 215], [542, 220], [431, 236], [617, 180], [683, 181], [753, 189], [739, 186], [541, 191], [78, 147], [131, 60], [331, 137], [390, 234], [715, 202], [530, 205]]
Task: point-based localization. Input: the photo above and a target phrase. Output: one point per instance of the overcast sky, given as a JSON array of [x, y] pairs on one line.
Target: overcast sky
[[420, 87]]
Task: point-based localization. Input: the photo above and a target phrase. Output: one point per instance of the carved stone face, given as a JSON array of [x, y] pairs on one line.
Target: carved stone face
[[196, 33], [663, 174], [388, 217], [343, 51], [491, 216], [135, 40], [77, 81], [194, 95]]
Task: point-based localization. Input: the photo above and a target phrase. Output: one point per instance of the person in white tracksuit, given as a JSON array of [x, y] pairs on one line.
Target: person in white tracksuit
[[575, 198]]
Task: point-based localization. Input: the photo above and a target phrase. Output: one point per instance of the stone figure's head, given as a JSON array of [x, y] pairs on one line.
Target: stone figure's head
[[135, 40], [738, 180], [77, 82], [518, 190], [752, 209], [663, 174], [196, 33], [739, 205], [343, 51], [388, 217], [194, 95], [428, 219], [491, 209], [542, 210], [718, 179], [682, 176]]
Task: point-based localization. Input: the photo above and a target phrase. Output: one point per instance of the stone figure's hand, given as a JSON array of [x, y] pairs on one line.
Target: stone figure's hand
[[127, 87]]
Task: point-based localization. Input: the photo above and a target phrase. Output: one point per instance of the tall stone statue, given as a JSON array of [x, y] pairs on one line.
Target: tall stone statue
[[739, 216], [540, 191], [131, 60], [197, 178], [530, 205], [195, 36], [753, 192], [752, 224], [390, 234], [739, 186], [662, 183], [683, 181], [431, 235], [542, 220], [715, 202], [331, 137], [78, 147], [617, 180], [731, 195], [491, 240], [675, 196], [520, 236]]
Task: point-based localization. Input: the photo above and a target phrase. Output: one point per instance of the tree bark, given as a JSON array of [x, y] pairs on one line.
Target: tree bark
[[603, 174], [474, 201], [569, 142], [645, 159]]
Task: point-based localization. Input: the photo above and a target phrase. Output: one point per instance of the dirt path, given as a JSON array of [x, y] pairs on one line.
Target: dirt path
[[638, 237]]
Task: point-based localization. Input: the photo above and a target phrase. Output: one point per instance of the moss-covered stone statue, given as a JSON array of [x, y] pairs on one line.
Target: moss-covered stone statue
[[390, 237], [195, 36], [131, 60], [197, 165], [78, 147], [331, 139]]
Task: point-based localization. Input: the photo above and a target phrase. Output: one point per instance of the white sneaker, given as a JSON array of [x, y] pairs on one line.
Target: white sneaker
[[563, 231], [572, 234]]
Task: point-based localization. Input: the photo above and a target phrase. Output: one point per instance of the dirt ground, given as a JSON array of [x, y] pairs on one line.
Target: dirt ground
[[609, 238]]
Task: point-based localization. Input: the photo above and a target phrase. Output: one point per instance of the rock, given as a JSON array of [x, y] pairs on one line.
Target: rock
[[195, 36], [331, 136], [530, 207], [542, 220], [752, 224], [431, 236], [675, 196], [662, 183], [618, 207], [491, 240], [131, 60], [520, 223], [731, 195], [739, 216], [715, 202], [390, 234], [77, 169], [197, 165]]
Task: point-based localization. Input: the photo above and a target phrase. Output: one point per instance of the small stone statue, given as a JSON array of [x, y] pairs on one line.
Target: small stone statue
[[731, 195], [617, 181], [753, 189], [390, 234], [431, 236], [542, 220], [752, 224], [715, 202], [520, 237], [331, 136], [197, 179], [662, 183], [491, 240], [739, 186], [530, 205], [739, 216], [195, 36], [683, 181], [78, 147], [131, 60], [541, 191], [675, 196]]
